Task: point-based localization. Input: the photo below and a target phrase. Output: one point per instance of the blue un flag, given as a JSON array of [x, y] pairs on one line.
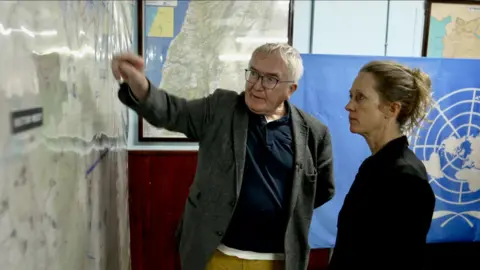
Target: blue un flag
[[448, 142]]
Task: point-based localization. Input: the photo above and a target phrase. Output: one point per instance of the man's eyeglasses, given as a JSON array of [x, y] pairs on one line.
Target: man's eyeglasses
[[268, 82]]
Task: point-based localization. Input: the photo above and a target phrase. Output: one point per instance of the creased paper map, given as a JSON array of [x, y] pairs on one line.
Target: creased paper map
[[63, 173]]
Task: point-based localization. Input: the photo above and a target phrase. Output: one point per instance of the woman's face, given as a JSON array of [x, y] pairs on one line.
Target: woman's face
[[364, 106]]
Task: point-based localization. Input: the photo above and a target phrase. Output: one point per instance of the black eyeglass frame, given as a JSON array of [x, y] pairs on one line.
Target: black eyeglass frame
[[261, 77]]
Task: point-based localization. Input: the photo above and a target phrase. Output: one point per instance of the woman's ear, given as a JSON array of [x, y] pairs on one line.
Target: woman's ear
[[394, 109], [391, 110]]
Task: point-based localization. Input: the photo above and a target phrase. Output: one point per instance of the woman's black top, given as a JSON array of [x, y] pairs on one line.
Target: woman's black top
[[386, 215]]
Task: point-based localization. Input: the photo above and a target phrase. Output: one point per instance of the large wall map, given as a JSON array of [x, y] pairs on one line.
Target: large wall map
[[63, 178]]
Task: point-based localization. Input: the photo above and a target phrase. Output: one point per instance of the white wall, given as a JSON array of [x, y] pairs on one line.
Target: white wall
[[302, 25], [360, 27], [339, 27], [406, 28]]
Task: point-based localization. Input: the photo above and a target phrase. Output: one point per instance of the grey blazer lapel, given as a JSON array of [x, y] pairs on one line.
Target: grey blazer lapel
[[300, 132], [240, 132]]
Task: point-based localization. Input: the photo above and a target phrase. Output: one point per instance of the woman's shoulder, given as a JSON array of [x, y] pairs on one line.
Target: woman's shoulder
[[409, 165], [409, 177]]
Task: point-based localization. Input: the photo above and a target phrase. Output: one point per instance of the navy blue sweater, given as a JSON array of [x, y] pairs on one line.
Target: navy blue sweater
[[260, 217]]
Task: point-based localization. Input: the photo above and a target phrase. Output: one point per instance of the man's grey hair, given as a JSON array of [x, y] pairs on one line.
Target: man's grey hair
[[290, 55]]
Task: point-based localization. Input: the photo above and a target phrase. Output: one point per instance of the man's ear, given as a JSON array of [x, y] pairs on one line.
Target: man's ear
[[292, 89]]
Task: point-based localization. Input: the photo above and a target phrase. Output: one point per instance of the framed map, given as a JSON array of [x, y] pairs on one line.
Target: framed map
[[452, 29], [191, 48]]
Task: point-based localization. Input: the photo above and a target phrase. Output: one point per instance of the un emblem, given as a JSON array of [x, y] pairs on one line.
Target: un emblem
[[448, 143]]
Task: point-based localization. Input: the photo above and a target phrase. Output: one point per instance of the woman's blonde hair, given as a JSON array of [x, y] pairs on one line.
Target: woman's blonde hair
[[410, 87]]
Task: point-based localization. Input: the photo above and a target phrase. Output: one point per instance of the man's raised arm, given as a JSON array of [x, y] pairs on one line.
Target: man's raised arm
[[159, 108]]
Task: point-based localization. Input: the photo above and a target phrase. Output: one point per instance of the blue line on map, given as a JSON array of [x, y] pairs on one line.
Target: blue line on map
[[90, 170]]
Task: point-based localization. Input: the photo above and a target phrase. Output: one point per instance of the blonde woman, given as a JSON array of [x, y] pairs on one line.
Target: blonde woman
[[387, 213]]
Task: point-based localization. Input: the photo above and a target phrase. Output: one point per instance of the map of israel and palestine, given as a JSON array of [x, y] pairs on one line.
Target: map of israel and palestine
[[193, 47]]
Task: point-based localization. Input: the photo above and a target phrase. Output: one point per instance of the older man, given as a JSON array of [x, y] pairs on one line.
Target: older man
[[263, 164]]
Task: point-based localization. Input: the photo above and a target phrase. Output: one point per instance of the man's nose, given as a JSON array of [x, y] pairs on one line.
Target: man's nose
[[258, 85]]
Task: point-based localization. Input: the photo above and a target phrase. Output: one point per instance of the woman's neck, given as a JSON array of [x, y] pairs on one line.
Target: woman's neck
[[378, 140]]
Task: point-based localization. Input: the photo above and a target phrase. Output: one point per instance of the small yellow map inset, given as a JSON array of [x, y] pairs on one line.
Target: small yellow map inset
[[162, 25]]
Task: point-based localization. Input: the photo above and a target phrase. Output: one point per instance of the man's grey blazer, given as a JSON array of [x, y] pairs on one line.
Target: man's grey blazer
[[220, 123]]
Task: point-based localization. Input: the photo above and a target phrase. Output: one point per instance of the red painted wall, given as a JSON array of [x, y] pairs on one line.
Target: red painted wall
[[158, 186]]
